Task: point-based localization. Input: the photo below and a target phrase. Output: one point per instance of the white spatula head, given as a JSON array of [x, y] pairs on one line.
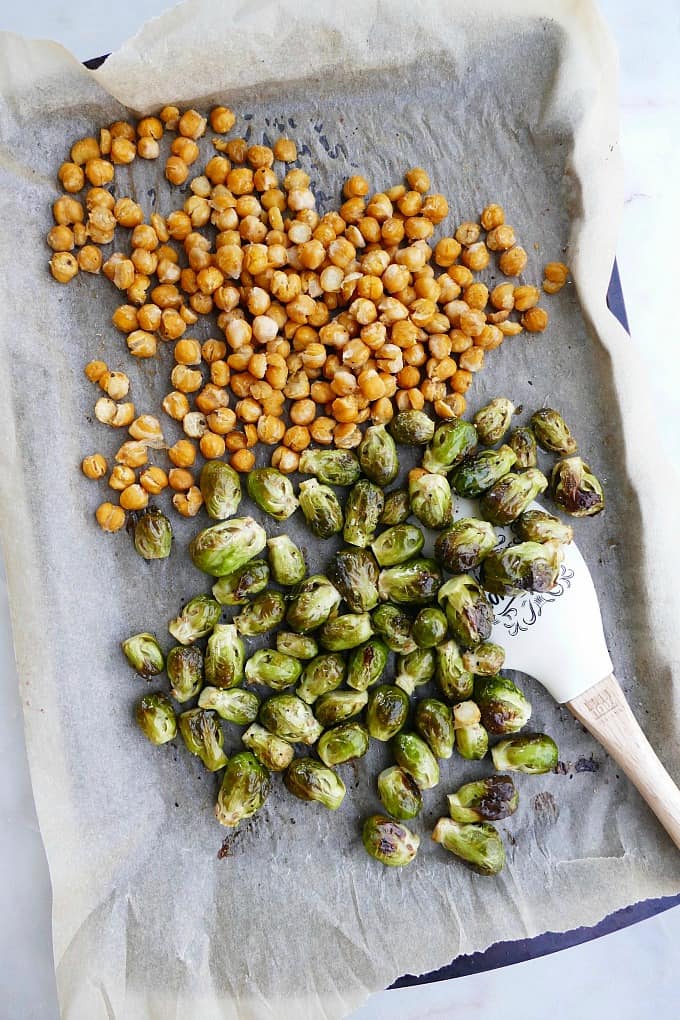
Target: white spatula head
[[555, 637]]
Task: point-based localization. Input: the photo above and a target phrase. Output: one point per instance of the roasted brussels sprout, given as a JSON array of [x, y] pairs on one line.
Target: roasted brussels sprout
[[273, 669], [237, 588], [430, 627], [415, 669], [493, 420], [434, 722], [144, 654], [323, 674], [416, 758], [223, 548], [273, 492], [398, 544], [364, 505], [308, 779], [413, 428], [321, 508], [185, 671], [343, 743], [265, 612], [412, 583], [300, 646], [378, 456], [224, 657], [156, 719], [354, 573], [332, 467], [478, 844], [346, 631], [485, 659], [220, 487], [245, 788], [274, 752], [472, 740], [455, 681], [523, 442], [540, 526], [287, 562], [485, 800], [397, 508], [552, 432], [153, 535], [575, 488], [203, 737], [394, 627], [477, 474], [289, 717], [387, 711], [503, 707], [527, 566], [196, 619], [511, 495], [467, 609], [313, 602], [339, 706], [431, 499], [399, 793], [234, 705], [533, 753], [451, 443], [367, 664], [389, 842], [463, 546]]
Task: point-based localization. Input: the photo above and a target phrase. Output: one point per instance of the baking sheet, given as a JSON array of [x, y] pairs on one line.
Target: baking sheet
[[297, 921]]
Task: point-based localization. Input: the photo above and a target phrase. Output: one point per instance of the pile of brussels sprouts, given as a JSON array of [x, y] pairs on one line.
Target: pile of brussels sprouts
[[327, 679]]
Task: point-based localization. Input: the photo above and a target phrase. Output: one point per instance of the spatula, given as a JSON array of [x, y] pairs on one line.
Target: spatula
[[557, 638]]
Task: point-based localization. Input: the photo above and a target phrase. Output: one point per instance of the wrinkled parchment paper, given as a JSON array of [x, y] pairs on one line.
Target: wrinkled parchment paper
[[298, 921]]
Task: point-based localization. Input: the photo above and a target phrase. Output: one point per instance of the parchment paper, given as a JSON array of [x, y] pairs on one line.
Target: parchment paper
[[298, 922]]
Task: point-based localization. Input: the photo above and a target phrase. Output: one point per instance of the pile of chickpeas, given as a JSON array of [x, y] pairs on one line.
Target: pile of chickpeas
[[325, 321]]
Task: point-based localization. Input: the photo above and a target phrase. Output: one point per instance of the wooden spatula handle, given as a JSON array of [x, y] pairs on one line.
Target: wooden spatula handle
[[604, 711]]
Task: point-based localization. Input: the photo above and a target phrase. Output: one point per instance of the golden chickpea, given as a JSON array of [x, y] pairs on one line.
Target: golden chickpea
[[468, 233], [121, 477], [187, 352], [236, 149], [382, 411], [472, 360], [104, 141], [192, 125], [99, 172], [79, 234], [503, 297], [128, 213], [513, 261], [221, 421], [94, 466], [270, 429], [148, 148], [476, 257], [185, 379], [95, 370], [555, 276], [142, 344], [63, 266], [250, 432], [222, 119], [235, 441], [355, 187], [452, 406], [472, 321], [150, 127], [194, 424], [188, 503], [284, 460], [72, 177], [147, 428], [115, 384], [526, 297], [285, 150], [501, 238], [110, 517], [149, 317], [67, 211], [85, 149], [182, 454], [123, 151], [173, 325], [180, 479], [89, 259], [153, 480], [122, 129], [134, 498], [99, 197], [297, 438], [492, 216], [535, 320], [446, 251], [212, 446], [213, 350], [176, 171], [132, 454], [60, 238], [242, 460], [418, 179], [460, 275], [101, 225], [476, 295]]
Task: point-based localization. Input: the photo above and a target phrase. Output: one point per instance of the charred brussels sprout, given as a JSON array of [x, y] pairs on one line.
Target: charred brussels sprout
[[300, 646], [339, 706], [235, 589], [308, 779], [540, 526], [387, 711], [346, 631], [156, 718], [451, 443], [397, 508], [532, 753], [463, 546], [398, 545], [399, 793], [234, 705], [274, 752], [430, 627], [287, 716], [273, 669], [552, 432], [527, 566], [434, 722], [367, 664], [343, 743], [223, 548], [389, 842], [378, 456], [416, 758], [472, 740], [220, 487], [354, 573], [196, 619], [265, 612], [273, 492], [415, 669], [153, 535], [455, 681], [332, 467], [245, 788], [503, 707], [431, 499], [287, 562], [323, 674], [412, 428], [224, 657], [412, 583], [394, 627], [467, 609], [313, 602], [477, 474], [485, 659], [575, 488], [203, 737], [512, 494], [320, 506], [523, 443], [144, 654], [185, 671], [478, 844], [364, 505], [485, 800], [493, 420]]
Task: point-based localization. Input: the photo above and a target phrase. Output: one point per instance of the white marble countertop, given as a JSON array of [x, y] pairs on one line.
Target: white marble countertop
[[631, 974]]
